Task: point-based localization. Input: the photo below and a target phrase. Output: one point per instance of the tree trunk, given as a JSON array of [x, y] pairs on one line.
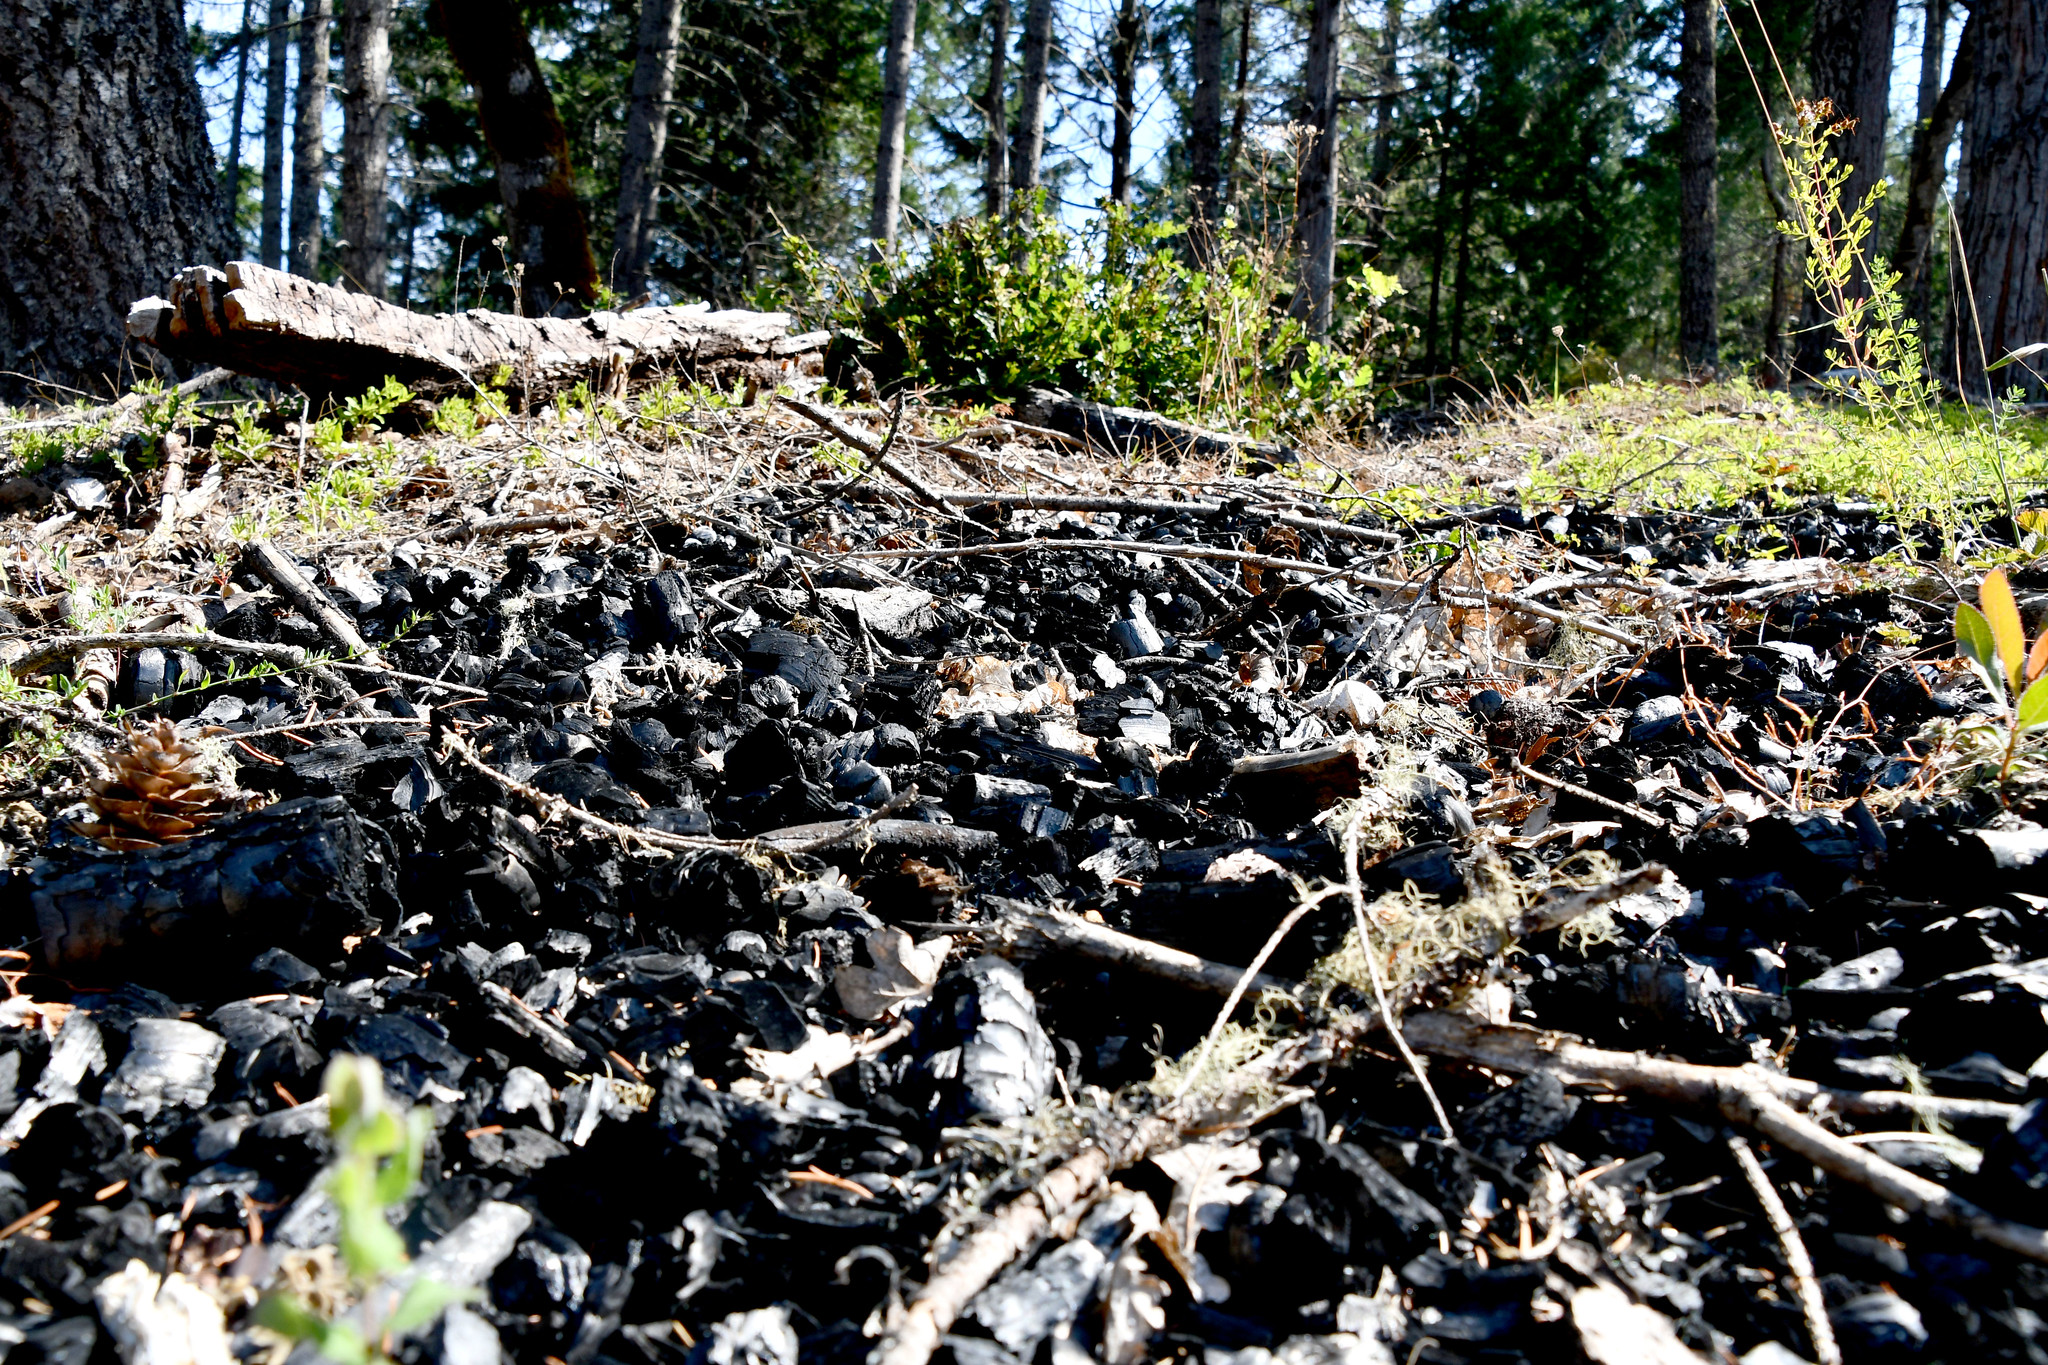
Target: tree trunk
[[231, 174], [1699, 163], [309, 149], [1241, 104], [654, 86], [107, 178], [1380, 171], [1784, 280], [2004, 212], [995, 176], [1123, 64], [1205, 132], [366, 144], [1850, 61], [1913, 256], [1933, 42], [1030, 143], [1315, 194], [550, 246], [888, 196], [270, 242]]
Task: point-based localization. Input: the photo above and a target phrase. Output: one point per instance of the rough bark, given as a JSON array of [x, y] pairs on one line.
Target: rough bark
[[1380, 169], [270, 240], [654, 86], [1205, 132], [1777, 346], [1699, 306], [1315, 194], [1850, 61], [1933, 42], [1030, 143], [272, 325], [887, 204], [995, 175], [309, 148], [2003, 215], [550, 246], [106, 175], [1123, 72], [293, 873], [1241, 105], [366, 144], [1913, 255]]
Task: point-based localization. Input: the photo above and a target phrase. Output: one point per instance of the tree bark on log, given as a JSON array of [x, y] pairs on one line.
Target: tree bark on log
[[290, 874], [1124, 430], [271, 325]]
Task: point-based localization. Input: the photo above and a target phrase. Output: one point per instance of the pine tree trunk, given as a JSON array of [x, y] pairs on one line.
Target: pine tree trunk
[[1380, 170], [1933, 44], [1123, 70], [1241, 104], [887, 208], [1784, 279], [1913, 256], [309, 147], [1205, 132], [1315, 194], [995, 175], [654, 86], [231, 174], [2003, 214], [1030, 145], [1850, 61], [1699, 307], [107, 178], [270, 243], [550, 245], [366, 144]]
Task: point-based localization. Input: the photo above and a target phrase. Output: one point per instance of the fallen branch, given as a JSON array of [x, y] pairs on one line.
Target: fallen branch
[[1122, 431], [1738, 1094], [1466, 597], [1026, 931], [259, 321], [877, 452], [285, 656], [1155, 507], [1633, 812], [1797, 1262]]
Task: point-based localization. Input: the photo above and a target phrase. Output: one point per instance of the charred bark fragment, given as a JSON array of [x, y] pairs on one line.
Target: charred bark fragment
[[272, 325], [290, 874]]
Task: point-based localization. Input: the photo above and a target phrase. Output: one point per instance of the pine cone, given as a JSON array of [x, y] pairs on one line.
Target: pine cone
[[157, 794]]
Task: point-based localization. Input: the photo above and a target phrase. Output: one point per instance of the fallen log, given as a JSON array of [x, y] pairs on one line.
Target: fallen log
[[266, 323], [1129, 431], [290, 874]]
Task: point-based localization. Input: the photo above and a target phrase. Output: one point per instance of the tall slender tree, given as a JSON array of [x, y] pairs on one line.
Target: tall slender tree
[[1205, 132], [309, 145], [1233, 152], [654, 87], [1926, 167], [1699, 212], [366, 143], [1036, 89], [231, 174], [1380, 170], [549, 242], [887, 205], [108, 180], [1849, 59], [277, 44], [1315, 194], [2003, 214], [1123, 71], [995, 170]]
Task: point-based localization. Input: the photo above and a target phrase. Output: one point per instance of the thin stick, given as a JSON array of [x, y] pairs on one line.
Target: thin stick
[[1468, 597], [1633, 812], [1240, 986], [1822, 1332], [1026, 930], [1156, 507]]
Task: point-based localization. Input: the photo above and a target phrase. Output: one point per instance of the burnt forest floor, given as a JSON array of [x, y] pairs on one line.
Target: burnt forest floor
[[804, 907]]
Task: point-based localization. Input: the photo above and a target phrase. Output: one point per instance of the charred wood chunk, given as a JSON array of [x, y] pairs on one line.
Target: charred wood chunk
[[294, 873]]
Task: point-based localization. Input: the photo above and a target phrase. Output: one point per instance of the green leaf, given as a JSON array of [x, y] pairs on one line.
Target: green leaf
[[288, 1316], [1975, 643], [2032, 712], [423, 1303], [2012, 356]]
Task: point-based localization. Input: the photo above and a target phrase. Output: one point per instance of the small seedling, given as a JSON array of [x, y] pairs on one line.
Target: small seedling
[[1994, 642], [379, 1149]]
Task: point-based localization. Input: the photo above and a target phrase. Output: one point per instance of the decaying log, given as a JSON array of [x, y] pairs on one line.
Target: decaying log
[[1128, 431], [263, 322], [293, 873]]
